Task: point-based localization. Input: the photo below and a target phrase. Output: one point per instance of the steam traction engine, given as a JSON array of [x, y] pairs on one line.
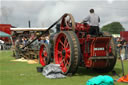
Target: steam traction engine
[[73, 46]]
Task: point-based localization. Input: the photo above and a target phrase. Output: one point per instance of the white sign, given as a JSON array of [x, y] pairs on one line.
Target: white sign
[[98, 49]]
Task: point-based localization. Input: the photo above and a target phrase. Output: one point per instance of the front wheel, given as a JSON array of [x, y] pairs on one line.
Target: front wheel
[[44, 54]]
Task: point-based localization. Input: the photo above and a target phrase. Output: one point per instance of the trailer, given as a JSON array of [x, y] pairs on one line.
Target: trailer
[[22, 36]]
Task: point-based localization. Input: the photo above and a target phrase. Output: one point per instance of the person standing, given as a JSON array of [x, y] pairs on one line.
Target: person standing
[[127, 50], [119, 46], [123, 49], [94, 21]]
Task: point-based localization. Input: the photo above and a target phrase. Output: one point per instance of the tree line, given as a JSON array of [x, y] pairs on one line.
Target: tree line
[[113, 28]]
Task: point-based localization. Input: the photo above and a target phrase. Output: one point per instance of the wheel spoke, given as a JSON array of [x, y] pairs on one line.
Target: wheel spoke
[[65, 43], [66, 23], [60, 53], [68, 50], [62, 43], [67, 63], [62, 62], [70, 21], [67, 55], [60, 59], [65, 66], [60, 47]]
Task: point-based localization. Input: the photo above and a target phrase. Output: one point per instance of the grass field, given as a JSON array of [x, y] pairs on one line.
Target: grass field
[[22, 73]]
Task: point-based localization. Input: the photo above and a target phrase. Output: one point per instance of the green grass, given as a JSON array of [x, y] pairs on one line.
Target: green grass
[[21, 73]]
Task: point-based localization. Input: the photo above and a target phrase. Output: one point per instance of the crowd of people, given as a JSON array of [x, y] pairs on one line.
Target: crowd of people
[[122, 48], [24, 40]]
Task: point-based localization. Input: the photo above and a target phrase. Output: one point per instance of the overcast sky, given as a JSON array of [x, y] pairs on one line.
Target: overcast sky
[[43, 13]]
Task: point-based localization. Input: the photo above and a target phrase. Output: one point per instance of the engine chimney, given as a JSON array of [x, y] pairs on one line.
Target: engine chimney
[[29, 24]]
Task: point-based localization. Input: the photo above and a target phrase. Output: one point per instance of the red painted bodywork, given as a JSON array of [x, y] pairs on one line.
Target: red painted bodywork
[[91, 46], [5, 28], [124, 34]]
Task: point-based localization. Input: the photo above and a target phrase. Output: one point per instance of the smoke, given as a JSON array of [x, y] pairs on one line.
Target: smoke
[[54, 10], [18, 13], [80, 9], [110, 1], [42, 13]]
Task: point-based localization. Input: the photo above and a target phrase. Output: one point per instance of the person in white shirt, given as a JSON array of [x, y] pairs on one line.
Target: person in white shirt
[[93, 20]]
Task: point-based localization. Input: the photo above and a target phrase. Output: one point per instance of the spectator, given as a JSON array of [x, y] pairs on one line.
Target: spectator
[[126, 49], [2, 45], [43, 40], [119, 45], [123, 49], [47, 39], [24, 41]]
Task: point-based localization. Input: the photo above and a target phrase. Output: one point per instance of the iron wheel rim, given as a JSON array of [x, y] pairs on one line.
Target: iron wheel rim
[[43, 55], [62, 52]]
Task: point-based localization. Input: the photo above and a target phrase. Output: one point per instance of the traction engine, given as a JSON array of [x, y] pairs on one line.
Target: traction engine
[[73, 46]]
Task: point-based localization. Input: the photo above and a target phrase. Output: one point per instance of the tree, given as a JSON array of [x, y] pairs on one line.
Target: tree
[[113, 28]]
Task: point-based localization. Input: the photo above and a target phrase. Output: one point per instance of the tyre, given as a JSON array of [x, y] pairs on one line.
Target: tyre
[[44, 54], [67, 51], [112, 62]]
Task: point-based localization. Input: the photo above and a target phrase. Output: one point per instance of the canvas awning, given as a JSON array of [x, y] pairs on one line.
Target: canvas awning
[[3, 34]]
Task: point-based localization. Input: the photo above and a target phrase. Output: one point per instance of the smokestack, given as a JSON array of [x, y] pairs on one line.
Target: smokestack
[[29, 24]]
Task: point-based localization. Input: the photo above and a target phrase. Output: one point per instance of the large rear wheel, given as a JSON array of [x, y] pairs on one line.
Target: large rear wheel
[[67, 51], [111, 62]]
